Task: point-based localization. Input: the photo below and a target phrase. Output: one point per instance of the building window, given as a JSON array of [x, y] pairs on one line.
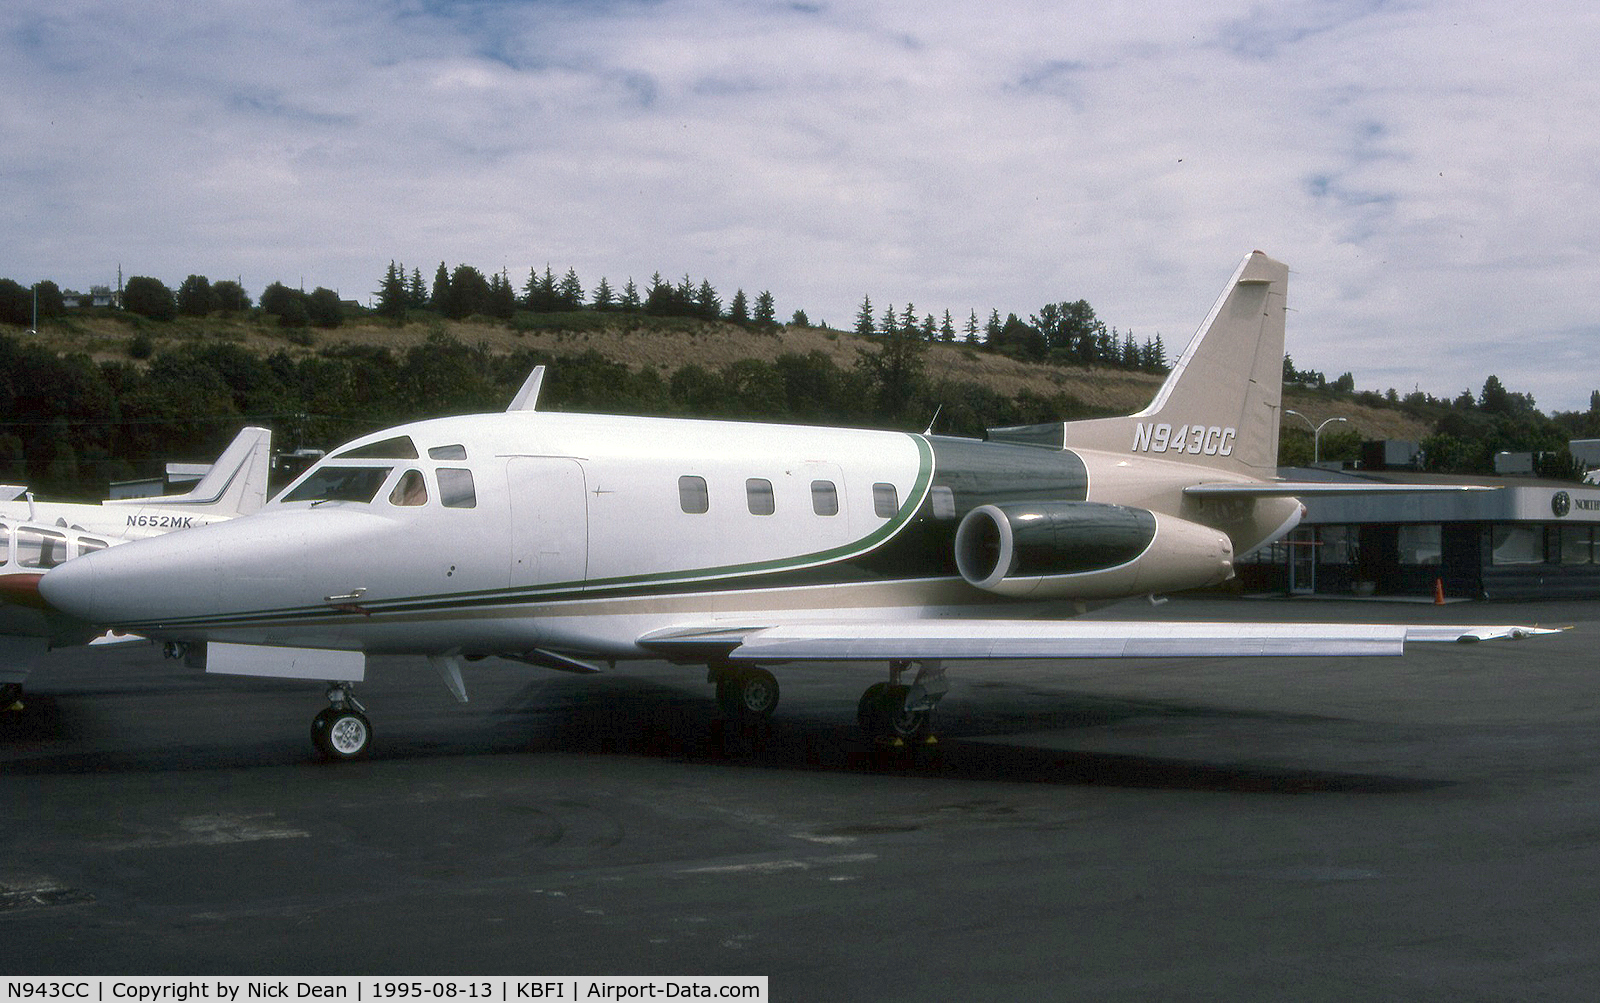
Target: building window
[[1577, 545], [758, 495], [1517, 544], [885, 500], [692, 495], [824, 498], [1337, 545], [1419, 544]]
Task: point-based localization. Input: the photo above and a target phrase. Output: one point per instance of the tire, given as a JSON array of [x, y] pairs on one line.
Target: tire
[[756, 692], [341, 734], [882, 713]]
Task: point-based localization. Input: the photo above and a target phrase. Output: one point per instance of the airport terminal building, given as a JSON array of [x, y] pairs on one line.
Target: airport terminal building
[[1522, 538]]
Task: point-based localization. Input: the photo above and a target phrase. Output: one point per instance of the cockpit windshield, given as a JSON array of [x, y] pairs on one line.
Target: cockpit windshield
[[398, 448], [350, 484]]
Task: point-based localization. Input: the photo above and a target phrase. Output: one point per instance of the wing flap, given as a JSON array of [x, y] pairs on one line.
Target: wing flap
[[916, 640]]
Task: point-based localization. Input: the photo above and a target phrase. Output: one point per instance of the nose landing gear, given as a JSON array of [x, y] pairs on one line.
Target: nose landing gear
[[341, 731]]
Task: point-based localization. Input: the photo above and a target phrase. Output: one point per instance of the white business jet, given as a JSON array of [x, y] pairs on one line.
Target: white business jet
[[36, 536], [566, 539]]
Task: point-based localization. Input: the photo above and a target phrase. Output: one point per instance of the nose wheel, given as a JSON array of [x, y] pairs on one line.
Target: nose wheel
[[341, 731]]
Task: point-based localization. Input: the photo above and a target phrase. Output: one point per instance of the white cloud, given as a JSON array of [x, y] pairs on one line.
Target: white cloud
[[1427, 169]]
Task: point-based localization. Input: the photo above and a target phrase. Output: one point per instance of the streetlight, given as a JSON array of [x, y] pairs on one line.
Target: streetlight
[[1316, 432]]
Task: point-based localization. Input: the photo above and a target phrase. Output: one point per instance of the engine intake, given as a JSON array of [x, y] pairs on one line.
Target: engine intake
[[1086, 550]]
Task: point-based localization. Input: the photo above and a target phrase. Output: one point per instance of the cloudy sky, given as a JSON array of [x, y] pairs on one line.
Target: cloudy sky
[[1429, 170]]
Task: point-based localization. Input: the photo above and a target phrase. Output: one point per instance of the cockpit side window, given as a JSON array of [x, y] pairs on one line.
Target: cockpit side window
[[455, 488], [455, 452], [398, 448], [410, 489], [351, 484]]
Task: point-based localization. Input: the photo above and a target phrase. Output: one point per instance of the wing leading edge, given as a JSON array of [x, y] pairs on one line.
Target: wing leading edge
[[921, 640]]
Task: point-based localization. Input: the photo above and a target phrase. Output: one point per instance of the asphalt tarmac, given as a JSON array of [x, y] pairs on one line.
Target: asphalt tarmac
[[1311, 829]]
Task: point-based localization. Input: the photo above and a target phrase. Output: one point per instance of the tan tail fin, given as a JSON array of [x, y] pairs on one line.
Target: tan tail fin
[[1220, 404]]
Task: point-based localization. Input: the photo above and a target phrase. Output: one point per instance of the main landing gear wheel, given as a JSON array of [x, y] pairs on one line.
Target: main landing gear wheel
[[342, 731], [882, 714], [747, 693]]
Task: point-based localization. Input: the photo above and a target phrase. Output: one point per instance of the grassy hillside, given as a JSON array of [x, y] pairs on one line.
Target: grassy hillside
[[667, 344]]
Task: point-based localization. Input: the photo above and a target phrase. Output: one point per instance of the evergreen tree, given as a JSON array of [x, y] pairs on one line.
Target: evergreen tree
[[972, 327], [888, 325], [440, 301], [604, 298], [707, 304], [947, 330], [864, 318], [630, 297], [416, 292], [800, 319], [766, 310], [569, 295], [739, 309], [502, 303], [993, 327], [392, 292]]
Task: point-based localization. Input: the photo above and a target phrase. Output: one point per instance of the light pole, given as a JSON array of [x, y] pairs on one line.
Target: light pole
[[1316, 432]]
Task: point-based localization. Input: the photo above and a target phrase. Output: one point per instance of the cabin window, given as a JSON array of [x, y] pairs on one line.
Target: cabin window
[[87, 545], [456, 489], [351, 484], [758, 495], [885, 500], [455, 452], [5, 544], [40, 548], [398, 448], [409, 490], [824, 498], [944, 502], [693, 497]]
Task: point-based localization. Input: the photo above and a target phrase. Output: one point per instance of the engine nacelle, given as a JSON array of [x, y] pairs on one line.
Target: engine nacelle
[[1087, 550]]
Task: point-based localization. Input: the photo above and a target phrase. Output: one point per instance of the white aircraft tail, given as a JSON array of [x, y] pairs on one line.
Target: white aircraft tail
[[1220, 405], [235, 485]]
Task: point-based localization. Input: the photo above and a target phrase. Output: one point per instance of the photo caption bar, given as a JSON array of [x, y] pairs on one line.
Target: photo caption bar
[[366, 989]]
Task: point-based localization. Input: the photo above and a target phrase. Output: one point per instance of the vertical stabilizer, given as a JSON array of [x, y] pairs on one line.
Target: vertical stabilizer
[[1219, 406], [235, 485]]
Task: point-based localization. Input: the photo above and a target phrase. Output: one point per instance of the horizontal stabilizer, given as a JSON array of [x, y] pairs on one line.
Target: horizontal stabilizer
[[1029, 639]]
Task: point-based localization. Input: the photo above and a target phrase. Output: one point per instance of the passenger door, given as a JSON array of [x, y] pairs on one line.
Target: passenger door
[[549, 521]]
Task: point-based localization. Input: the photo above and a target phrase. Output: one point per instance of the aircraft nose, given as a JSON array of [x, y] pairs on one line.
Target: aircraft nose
[[74, 588]]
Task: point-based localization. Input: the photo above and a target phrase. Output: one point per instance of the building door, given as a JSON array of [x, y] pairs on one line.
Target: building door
[[1303, 561]]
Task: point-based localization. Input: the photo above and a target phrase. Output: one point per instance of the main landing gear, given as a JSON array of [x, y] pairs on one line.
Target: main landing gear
[[745, 693], [342, 731], [894, 713]]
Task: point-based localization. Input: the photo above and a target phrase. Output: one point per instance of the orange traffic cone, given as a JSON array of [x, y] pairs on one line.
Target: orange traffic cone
[[1438, 591]]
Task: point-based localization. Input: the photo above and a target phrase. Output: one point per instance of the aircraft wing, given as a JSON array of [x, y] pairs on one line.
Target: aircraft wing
[[920, 640], [1312, 489]]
